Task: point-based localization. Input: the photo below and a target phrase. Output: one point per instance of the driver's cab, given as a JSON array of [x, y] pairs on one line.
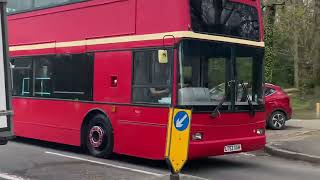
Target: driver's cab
[[216, 71]]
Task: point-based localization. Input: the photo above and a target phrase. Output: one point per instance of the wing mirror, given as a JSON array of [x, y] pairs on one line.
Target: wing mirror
[[163, 56]]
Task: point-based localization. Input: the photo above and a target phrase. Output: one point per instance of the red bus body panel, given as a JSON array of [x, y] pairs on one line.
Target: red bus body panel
[[138, 130], [105, 67], [227, 129]]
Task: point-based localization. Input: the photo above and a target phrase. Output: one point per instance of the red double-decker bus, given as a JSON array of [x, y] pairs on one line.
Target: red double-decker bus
[[103, 74]]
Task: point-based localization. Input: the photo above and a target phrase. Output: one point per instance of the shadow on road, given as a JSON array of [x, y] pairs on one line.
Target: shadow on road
[[216, 163], [191, 166], [44, 144], [80, 151]]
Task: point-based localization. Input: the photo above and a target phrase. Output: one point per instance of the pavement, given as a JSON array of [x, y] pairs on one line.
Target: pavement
[[299, 141]]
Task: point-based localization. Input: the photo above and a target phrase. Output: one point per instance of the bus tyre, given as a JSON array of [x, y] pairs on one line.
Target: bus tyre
[[277, 120], [99, 137]]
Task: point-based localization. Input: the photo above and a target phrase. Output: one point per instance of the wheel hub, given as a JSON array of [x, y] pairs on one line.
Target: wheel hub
[[278, 120], [96, 136]]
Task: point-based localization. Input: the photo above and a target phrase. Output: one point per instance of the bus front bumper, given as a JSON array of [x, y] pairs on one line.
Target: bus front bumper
[[201, 149]]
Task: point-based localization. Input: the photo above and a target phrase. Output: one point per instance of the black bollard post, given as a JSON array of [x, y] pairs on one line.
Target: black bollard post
[[3, 141], [174, 176]]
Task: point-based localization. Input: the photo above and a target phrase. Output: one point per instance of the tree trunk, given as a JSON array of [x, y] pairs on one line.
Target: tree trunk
[[296, 49], [296, 58], [316, 53], [269, 52]]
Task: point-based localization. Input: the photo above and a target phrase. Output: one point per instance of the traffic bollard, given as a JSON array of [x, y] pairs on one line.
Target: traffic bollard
[[174, 177]]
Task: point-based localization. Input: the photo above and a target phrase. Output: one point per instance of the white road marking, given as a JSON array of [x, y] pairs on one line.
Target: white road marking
[[194, 177], [117, 166], [248, 154], [105, 164], [10, 177]]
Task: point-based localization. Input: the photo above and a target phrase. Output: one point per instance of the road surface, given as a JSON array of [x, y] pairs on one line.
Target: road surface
[[25, 159]]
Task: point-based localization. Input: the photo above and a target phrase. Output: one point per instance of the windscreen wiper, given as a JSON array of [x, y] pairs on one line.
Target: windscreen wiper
[[215, 112], [245, 89]]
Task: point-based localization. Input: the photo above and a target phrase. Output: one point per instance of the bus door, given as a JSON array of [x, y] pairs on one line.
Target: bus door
[[142, 84], [5, 107], [147, 120]]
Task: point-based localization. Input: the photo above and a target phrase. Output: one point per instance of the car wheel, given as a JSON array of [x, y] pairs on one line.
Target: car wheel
[[99, 137], [277, 120]]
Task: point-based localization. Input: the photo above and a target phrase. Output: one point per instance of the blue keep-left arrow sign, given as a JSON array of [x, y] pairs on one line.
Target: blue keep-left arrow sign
[[181, 121]]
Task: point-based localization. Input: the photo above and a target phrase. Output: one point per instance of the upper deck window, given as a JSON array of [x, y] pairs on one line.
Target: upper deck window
[[225, 18], [16, 6]]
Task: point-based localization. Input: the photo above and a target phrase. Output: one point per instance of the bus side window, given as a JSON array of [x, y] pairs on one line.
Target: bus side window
[[49, 3], [73, 77], [18, 5], [21, 76], [61, 77], [152, 79], [43, 76]]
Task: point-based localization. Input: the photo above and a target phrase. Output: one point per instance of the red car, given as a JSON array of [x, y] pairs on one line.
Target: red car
[[278, 107]]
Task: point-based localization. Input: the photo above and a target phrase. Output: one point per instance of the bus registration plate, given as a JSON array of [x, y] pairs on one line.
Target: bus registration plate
[[232, 148]]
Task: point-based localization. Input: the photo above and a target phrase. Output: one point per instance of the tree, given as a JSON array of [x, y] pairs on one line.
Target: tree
[[269, 16], [297, 34], [316, 46]]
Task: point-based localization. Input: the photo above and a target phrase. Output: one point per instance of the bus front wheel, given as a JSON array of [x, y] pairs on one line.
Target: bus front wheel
[[99, 137]]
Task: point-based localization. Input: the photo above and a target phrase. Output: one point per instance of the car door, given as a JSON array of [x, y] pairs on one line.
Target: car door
[[270, 100]]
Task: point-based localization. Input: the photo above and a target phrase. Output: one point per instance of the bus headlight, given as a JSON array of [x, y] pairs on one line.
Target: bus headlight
[[260, 131]]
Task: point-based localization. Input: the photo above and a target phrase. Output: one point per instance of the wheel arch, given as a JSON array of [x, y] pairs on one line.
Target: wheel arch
[[90, 114]]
